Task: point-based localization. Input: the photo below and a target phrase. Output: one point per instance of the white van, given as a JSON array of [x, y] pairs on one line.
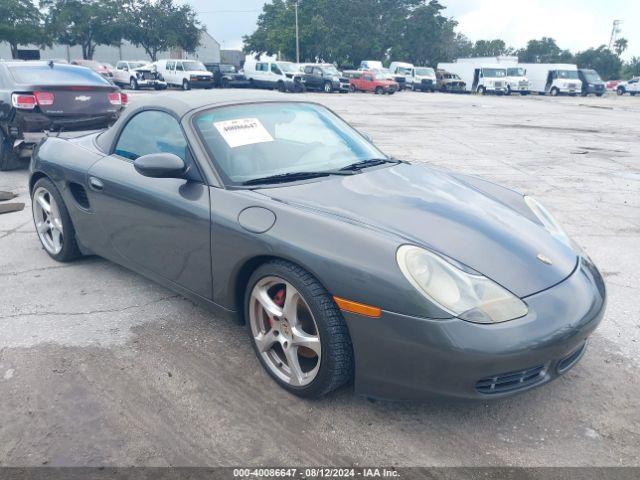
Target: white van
[[371, 65], [274, 75], [186, 74], [480, 78], [554, 78], [517, 81]]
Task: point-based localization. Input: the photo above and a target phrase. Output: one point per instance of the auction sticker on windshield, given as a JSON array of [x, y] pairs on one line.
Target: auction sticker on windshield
[[243, 131]]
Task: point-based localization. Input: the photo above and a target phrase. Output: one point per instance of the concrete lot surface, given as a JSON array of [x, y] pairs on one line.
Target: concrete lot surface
[[99, 366]]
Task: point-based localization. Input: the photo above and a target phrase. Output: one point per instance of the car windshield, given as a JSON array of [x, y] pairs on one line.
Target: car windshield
[[57, 75], [330, 70], [383, 74], [227, 69], [193, 66], [249, 142], [568, 74], [425, 72], [137, 64], [288, 67], [592, 76], [403, 70], [515, 72], [494, 72]]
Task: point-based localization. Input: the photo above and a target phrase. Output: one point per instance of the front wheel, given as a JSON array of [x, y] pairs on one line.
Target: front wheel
[[379, 90], [53, 223], [620, 91], [297, 330], [352, 88], [482, 90], [133, 84], [554, 92], [185, 85]]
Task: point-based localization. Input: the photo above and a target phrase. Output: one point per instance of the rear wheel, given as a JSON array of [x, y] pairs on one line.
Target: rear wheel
[[554, 92], [352, 88], [9, 160], [185, 85], [297, 330], [133, 84], [53, 223], [328, 87], [379, 90], [620, 91]]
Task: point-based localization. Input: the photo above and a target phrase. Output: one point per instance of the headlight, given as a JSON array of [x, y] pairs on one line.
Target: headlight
[[465, 294]]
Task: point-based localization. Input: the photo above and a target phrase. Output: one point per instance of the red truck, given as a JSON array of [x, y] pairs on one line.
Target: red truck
[[371, 81]]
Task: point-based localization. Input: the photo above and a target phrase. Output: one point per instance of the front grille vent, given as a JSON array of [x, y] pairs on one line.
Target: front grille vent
[[508, 382], [570, 360]]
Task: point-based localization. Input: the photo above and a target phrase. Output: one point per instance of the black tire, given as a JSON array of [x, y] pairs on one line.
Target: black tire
[[379, 91], [70, 250], [482, 90], [508, 91], [554, 92], [337, 362], [599, 94], [621, 91], [186, 85], [281, 86], [352, 88], [327, 87], [9, 160], [133, 84]]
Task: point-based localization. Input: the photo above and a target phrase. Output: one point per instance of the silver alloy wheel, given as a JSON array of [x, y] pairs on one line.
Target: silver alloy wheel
[[328, 88], [46, 215], [285, 331]]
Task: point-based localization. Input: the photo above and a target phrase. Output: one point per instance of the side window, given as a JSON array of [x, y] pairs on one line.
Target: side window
[[151, 132], [368, 78], [317, 72], [179, 67], [275, 69], [170, 65], [308, 70]]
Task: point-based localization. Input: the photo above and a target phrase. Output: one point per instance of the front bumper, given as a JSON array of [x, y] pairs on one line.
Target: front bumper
[[151, 83], [408, 358], [199, 83]]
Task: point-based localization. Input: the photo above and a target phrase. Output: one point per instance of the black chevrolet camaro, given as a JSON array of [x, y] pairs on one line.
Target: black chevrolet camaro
[[345, 264]]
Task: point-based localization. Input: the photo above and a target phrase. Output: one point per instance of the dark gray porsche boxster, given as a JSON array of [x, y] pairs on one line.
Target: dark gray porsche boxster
[[345, 264]]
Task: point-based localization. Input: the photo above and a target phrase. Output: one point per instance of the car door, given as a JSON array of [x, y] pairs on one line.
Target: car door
[[368, 82], [169, 74], [158, 226]]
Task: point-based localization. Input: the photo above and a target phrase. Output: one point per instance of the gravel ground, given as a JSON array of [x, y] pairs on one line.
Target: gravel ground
[[99, 366]]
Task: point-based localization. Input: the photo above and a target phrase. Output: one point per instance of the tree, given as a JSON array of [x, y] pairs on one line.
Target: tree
[[632, 69], [87, 23], [161, 25], [490, 48], [544, 50], [348, 31], [20, 24], [601, 59], [620, 46]]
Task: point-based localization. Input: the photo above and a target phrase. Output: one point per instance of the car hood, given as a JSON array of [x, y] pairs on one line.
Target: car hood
[[445, 214], [199, 72]]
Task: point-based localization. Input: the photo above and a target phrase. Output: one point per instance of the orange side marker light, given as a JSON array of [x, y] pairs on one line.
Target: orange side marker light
[[359, 308]]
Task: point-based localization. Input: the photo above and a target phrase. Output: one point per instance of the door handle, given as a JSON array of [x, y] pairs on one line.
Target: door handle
[[96, 184]]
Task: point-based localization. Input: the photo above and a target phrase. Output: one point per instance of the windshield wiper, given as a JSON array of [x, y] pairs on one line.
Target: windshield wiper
[[294, 176], [371, 162]]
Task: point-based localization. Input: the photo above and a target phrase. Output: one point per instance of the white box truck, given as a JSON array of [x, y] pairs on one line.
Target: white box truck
[[517, 81], [478, 77], [553, 78]]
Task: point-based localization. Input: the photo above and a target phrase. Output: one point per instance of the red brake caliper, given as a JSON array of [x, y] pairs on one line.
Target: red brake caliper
[[279, 299]]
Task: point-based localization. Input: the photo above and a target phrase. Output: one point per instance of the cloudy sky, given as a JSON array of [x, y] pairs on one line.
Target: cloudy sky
[[575, 24]]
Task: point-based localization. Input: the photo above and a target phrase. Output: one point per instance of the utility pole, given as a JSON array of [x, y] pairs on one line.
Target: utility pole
[[297, 36], [614, 34]]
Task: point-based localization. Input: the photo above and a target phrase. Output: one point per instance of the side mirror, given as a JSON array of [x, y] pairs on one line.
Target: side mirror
[[160, 165]]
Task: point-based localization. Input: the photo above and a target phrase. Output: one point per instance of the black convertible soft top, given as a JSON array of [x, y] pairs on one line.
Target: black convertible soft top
[[181, 103]]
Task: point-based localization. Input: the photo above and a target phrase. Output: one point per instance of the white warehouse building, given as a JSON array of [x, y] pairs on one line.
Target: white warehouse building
[[207, 52]]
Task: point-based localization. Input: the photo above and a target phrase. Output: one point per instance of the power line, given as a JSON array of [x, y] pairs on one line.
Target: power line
[[229, 11]]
